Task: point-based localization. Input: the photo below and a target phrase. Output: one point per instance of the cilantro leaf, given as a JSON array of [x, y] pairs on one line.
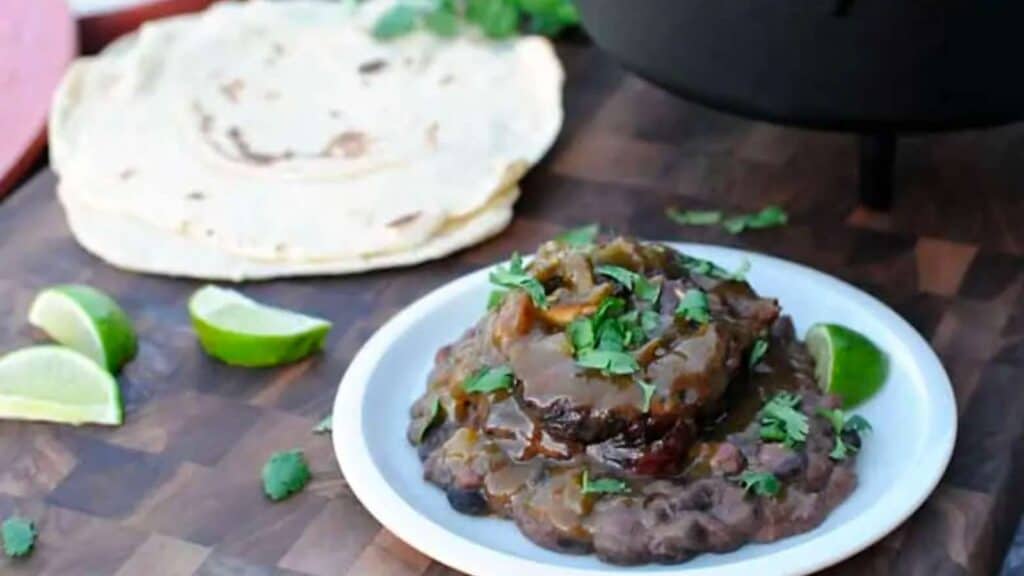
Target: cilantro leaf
[[694, 217], [693, 306], [710, 269], [758, 351], [761, 483], [638, 284], [740, 273], [602, 485], [433, 418], [637, 326], [611, 336], [324, 426], [398, 21], [487, 380], [619, 274], [515, 276], [768, 217], [495, 299], [497, 18], [857, 423], [646, 290], [841, 423], [608, 361], [549, 17], [648, 390], [284, 474], [781, 421], [581, 334], [580, 237], [19, 536], [609, 308], [442, 22]]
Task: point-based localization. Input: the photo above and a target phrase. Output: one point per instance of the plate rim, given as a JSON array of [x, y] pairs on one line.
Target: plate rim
[[432, 539]]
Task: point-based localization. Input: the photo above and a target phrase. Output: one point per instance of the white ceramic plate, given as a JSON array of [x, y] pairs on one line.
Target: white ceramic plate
[[914, 419]]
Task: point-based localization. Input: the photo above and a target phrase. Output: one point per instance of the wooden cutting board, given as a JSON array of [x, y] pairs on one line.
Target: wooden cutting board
[[176, 490], [37, 41]]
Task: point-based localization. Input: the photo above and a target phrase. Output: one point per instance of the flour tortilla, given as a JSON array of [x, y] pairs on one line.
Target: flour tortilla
[[130, 244], [283, 132]]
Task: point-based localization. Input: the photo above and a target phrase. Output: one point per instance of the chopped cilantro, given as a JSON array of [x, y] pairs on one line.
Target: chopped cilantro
[[495, 299], [611, 335], [398, 21], [646, 290], [758, 351], [435, 416], [648, 390], [693, 306], [442, 21], [515, 276], [769, 217], [638, 326], [710, 269], [581, 334], [549, 17], [284, 474], [694, 217], [619, 274], [609, 308], [840, 424], [579, 237], [324, 426], [497, 18], [488, 380], [603, 485], [608, 361], [638, 284], [782, 422], [761, 483], [19, 536]]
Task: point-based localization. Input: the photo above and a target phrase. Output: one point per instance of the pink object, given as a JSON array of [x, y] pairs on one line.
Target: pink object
[[37, 41]]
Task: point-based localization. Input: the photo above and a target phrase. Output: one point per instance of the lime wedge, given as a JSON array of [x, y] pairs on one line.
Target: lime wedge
[[243, 332], [846, 363], [83, 318], [57, 384]]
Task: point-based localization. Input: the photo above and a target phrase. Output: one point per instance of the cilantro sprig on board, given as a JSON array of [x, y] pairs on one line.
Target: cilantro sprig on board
[[19, 536], [768, 217], [497, 19], [284, 474]]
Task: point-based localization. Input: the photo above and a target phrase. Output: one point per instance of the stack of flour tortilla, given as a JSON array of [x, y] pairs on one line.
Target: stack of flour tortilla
[[268, 139]]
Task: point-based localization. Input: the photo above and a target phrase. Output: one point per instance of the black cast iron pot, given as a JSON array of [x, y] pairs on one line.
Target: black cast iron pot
[[874, 67]]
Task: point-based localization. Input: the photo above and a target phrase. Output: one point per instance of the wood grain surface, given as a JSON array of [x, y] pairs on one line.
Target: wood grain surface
[[176, 490]]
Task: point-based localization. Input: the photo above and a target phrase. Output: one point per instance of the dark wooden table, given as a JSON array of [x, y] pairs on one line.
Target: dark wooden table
[[176, 490]]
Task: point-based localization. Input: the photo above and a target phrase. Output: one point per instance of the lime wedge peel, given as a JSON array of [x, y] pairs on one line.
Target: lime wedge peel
[[846, 363], [243, 332], [56, 384], [87, 320]]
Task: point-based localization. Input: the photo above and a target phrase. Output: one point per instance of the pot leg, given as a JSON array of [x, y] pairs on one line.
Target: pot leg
[[877, 156]]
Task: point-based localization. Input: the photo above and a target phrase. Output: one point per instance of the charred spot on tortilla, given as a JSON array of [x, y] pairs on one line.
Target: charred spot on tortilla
[[447, 79], [404, 219], [349, 144], [127, 174], [196, 195], [232, 90], [205, 118], [245, 152], [334, 113], [272, 95], [373, 66]]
